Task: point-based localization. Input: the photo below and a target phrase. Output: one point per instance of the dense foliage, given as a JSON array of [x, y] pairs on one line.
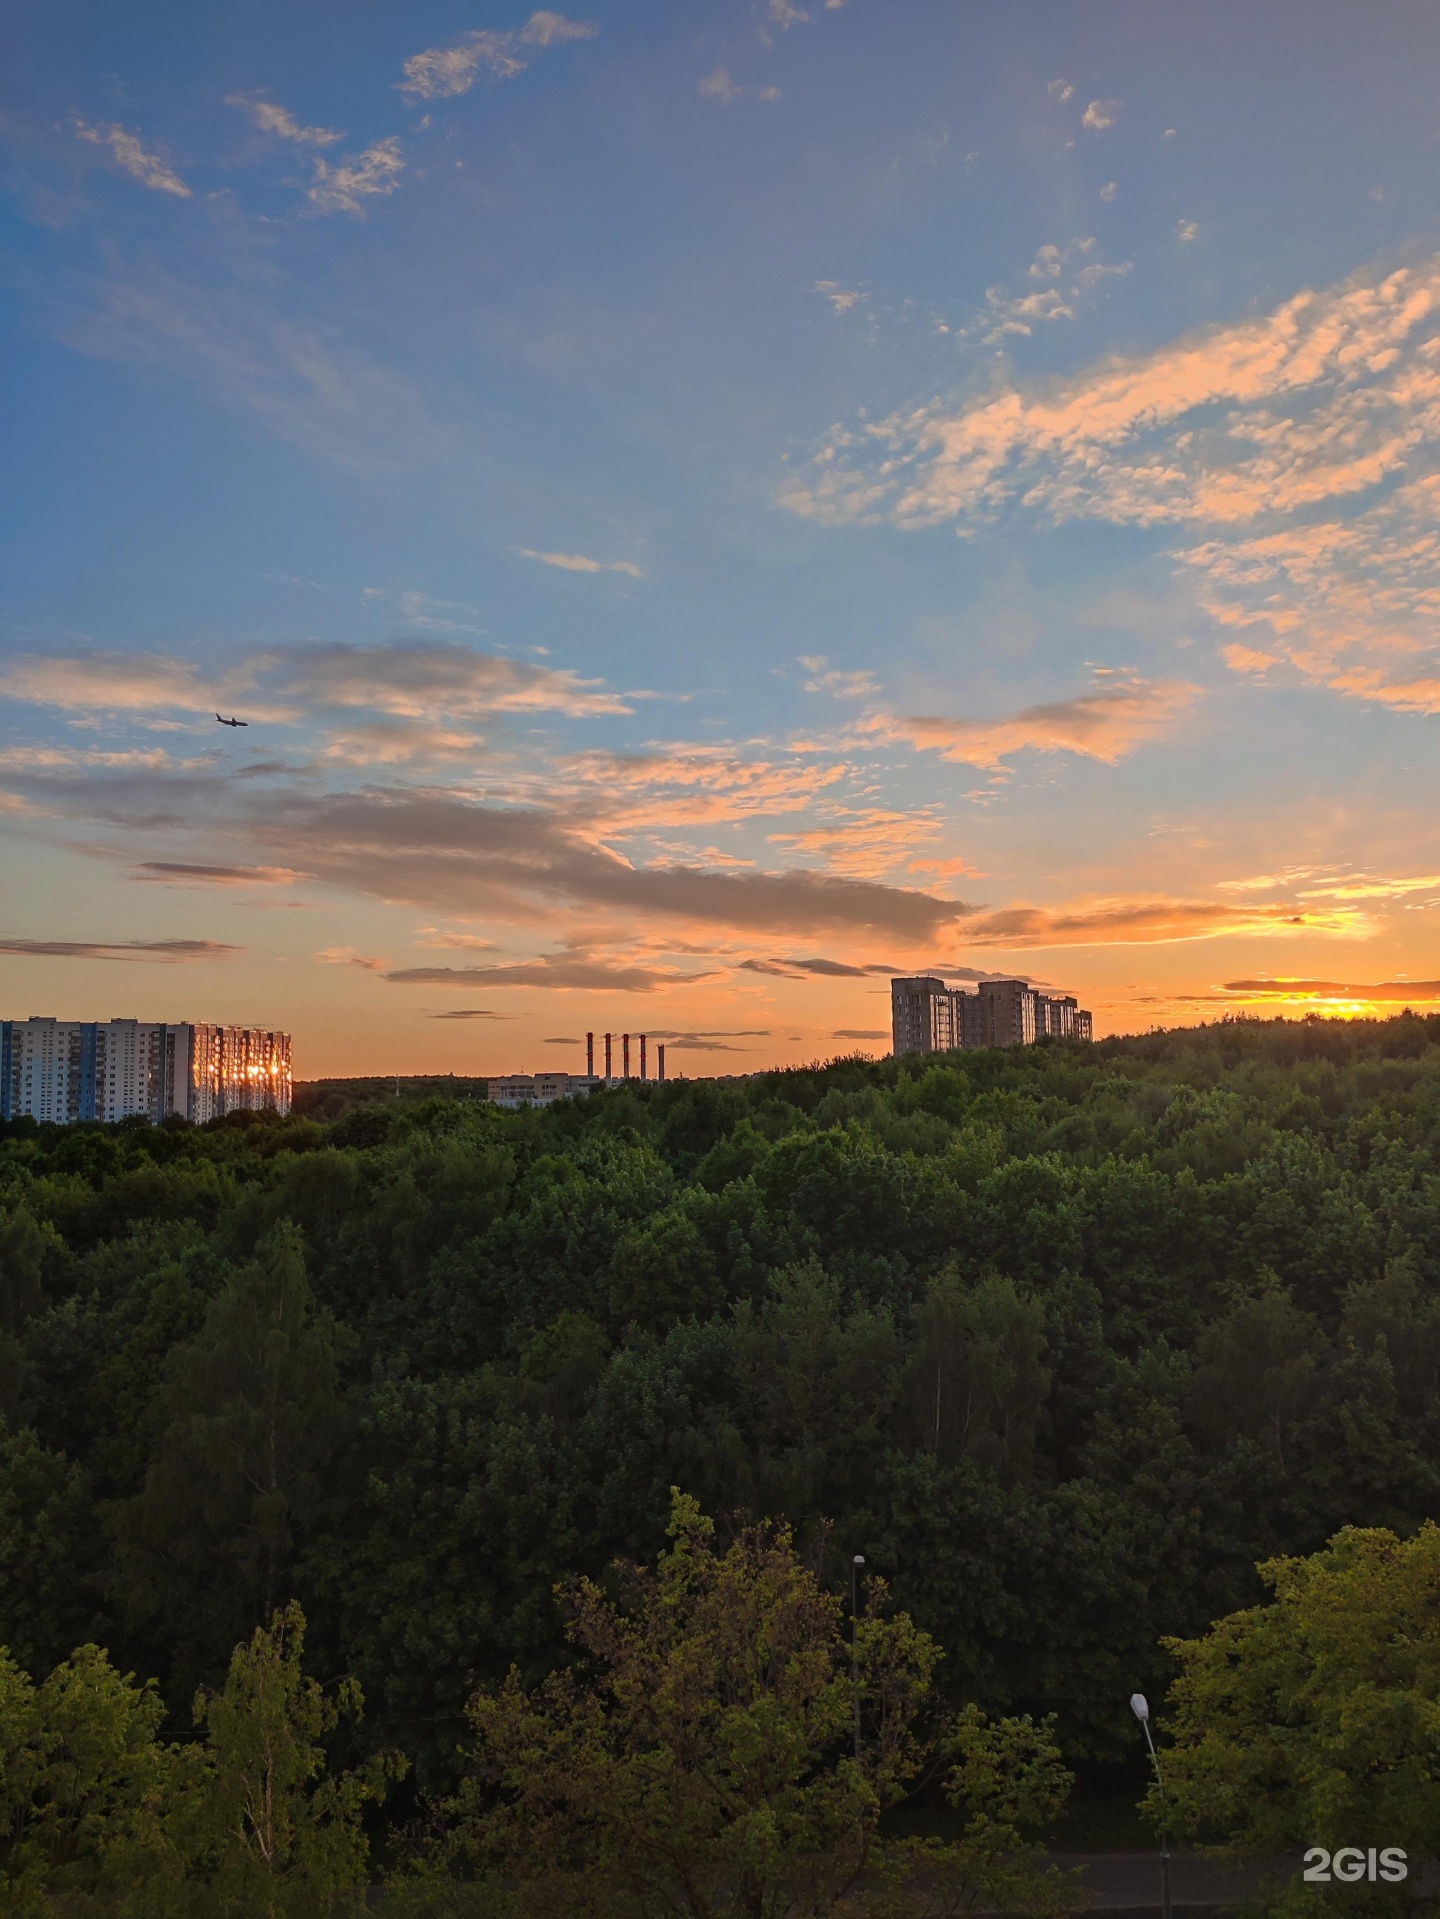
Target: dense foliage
[[726, 1753], [1064, 1340], [1315, 1720]]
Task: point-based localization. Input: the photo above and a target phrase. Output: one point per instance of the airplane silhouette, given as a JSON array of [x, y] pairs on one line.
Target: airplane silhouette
[[232, 722]]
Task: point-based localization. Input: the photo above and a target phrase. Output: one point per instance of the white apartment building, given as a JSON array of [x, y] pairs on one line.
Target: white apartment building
[[927, 1016], [64, 1071]]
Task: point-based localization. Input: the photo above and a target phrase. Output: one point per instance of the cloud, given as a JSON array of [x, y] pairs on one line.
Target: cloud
[[1349, 604], [843, 299], [563, 973], [425, 680], [1186, 231], [439, 850], [1328, 395], [182, 873], [1100, 114], [546, 29], [481, 1012], [1062, 280], [1060, 90], [169, 951], [785, 13], [442, 73], [799, 968], [1105, 724], [1152, 921], [343, 188], [347, 956], [305, 383], [417, 681], [271, 118], [717, 85], [582, 563], [1109, 191], [130, 156], [107, 682], [712, 1042], [1401, 991], [687, 784], [839, 685], [862, 1032]]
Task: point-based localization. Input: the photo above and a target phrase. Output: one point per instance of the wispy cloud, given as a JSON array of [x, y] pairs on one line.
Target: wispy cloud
[[1105, 724], [167, 951], [345, 187], [1350, 604], [1188, 432], [562, 973], [305, 383], [442, 73], [130, 156], [582, 563], [1385, 992], [1152, 921], [272, 118], [717, 85], [187, 873], [838, 683], [430, 681], [110, 682]]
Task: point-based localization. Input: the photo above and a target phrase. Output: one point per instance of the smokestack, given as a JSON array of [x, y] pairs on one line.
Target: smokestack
[[589, 1056], [607, 1059], [642, 1056], [625, 1053], [660, 1060]]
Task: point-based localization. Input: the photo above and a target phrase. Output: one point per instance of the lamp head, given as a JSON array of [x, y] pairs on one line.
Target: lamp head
[[1140, 1706], [859, 1559]]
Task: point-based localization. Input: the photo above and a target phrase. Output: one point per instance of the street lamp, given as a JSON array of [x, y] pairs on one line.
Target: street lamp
[[1140, 1706], [855, 1564]]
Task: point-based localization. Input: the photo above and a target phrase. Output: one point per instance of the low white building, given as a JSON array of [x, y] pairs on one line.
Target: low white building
[[64, 1071], [539, 1089]]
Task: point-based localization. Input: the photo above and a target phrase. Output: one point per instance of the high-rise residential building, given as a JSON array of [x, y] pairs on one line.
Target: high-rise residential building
[[927, 1016], [70, 1070]]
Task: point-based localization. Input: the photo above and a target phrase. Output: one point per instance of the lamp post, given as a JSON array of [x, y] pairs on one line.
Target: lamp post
[[855, 1564], [1140, 1706]]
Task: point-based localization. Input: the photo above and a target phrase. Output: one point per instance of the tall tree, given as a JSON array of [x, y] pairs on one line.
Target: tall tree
[[1315, 1720], [725, 1754]]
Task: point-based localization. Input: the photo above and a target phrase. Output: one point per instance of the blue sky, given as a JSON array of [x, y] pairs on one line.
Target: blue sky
[[702, 503]]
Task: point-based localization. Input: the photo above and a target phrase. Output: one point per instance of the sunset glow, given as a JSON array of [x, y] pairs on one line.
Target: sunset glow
[[699, 508]]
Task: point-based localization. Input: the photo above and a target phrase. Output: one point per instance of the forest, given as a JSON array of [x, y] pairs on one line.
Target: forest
[[1064, 1340]]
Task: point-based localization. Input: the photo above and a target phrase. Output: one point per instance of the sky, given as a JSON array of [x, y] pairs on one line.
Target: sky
[[703, 504]]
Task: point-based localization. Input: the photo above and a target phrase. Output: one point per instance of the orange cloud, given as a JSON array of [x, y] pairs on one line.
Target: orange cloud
[[1103, 725], [1118, 443], [1409, 992], [1152, 921]]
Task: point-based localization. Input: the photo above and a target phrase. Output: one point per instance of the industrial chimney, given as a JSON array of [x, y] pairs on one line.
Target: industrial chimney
[[607, 1059], [642, 1056], [589, 1056], [625, 1054], [660, 1060]]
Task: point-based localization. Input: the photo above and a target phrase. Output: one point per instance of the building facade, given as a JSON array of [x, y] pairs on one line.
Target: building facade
[[539, 1089], [65, 1071], [927, 1016]]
